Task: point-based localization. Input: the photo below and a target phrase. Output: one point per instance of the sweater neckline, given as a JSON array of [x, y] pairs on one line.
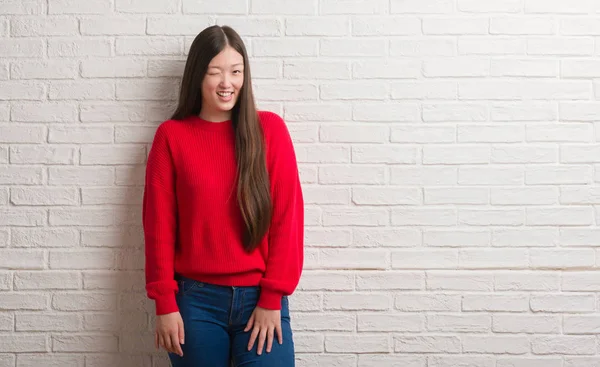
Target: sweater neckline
[[224, 125]]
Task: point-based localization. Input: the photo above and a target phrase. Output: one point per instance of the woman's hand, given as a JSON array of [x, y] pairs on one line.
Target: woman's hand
[[169, 332], [264, 324]]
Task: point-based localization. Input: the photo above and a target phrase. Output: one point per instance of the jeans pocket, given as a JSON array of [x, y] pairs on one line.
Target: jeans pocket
[[188, 285]]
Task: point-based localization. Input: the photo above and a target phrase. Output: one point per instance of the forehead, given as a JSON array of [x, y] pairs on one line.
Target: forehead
[[228, 57]]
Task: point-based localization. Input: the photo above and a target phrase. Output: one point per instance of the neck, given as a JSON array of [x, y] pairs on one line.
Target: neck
[[214, 116]]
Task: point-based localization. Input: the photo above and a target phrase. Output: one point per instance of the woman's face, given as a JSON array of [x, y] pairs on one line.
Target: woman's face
[[222, 82]]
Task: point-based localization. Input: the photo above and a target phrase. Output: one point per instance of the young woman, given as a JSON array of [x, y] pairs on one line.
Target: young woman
[[223, 217]]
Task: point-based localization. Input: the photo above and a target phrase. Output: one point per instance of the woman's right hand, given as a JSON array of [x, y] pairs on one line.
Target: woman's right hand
[[169, 332]]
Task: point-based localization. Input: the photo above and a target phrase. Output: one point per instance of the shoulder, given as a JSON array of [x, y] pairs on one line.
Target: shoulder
[[169, 129], [272, 123]]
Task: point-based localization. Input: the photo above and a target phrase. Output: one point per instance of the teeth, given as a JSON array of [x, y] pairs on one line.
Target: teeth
[[224, 94]]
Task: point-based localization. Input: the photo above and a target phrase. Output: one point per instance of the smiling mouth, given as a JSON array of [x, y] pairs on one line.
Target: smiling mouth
[[225, 94]]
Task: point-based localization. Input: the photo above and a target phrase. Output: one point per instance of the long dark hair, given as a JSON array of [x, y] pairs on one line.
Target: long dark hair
[[253, 193]]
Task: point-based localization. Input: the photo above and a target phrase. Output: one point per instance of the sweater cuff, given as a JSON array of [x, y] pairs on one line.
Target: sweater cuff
[[269, 299], [166, 304]]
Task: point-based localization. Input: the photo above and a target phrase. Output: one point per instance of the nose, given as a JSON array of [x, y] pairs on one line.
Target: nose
[[225, 81]]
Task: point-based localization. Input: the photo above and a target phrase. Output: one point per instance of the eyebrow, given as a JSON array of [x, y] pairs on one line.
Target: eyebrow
[[216, 67]]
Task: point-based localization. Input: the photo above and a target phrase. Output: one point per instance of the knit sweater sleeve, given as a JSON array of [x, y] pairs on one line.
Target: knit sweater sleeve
[[159, 216], [286, 232]]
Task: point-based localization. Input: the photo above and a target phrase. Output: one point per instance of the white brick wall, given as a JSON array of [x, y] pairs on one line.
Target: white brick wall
[[448, 151]]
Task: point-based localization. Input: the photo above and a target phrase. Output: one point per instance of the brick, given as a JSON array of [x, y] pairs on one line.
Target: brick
[[112, 112], [396, 280], [49, 360], [582, 216], [495, 303], [458, 195], [580, 27], [415, 6], [44, 112], [21, 90], [466, 360], [459, 323], [95, 196], [23, 7], [424, 259], [324, 322], [390, 323], [69, 47], [331, 281], [110, 26], [456, 238], [424, 216], [496, 258], [85, 343], [530, 324], [357, 344], [80, 176], [366, 175], [44, 69], [100, 360], [460, 281], [455, 26], [342, 47], [81, 259], [449, 112], [46, 26], [573, 132], [566, 46], [48, 322], [114, 154], [145, 6], [41, 154], [390, 154], [97, 90], [222, 7], [427, 302], [147, 90], [563, 345], [251, 27], [424, 176], [22, 217], [524, 111], [456, 154], [22, 134], [80, 134], [353, 258], [308, 343], [20, 175], [23, 342], [385, 112], [425, 90], [44, 196], [382, 237], [130, 45], [485, 217], [422, 47], [490, 175], [501, 6], [385, 25], [426, 344], [293, 91], [328, 7], [554, 6], [356, 302], [386, 196], [283, 7], [572, 303], [456, 67], [353, 134], [579, 362], [513, 67], [119, 67], [386, 69], [178, 25], [339, 360], [94, 217], [499, 45], [522, 26], [518, 281], [495, 344], [160, 68], [46, 280], [561, 259], [23, 301], [6, 324], [525, 237], [544, 175], [21, 47], [317, 26], [326, 195], [580, 281], [83, 301]]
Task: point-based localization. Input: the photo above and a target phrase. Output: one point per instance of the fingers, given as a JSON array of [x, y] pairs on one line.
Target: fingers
[[167, 342], [176, 347], [250, 323], [181, 333], [261, 340], [253, 337], [270, 333], [279, 333]]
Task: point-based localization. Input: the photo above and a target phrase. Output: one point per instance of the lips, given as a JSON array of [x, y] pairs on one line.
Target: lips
[[225, 94]]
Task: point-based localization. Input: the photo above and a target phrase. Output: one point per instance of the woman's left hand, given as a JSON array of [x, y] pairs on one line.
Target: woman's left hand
[[264, 324]]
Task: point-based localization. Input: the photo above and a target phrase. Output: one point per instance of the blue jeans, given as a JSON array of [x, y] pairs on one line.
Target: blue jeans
[[214, 318]]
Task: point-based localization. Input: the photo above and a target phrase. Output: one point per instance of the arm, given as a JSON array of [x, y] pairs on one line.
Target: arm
[[286, 233], [159, 216]]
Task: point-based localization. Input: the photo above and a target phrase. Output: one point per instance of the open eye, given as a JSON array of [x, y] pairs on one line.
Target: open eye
[[237, 71]]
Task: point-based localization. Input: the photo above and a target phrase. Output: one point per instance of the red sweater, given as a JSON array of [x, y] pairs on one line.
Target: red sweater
[[192, 221]]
